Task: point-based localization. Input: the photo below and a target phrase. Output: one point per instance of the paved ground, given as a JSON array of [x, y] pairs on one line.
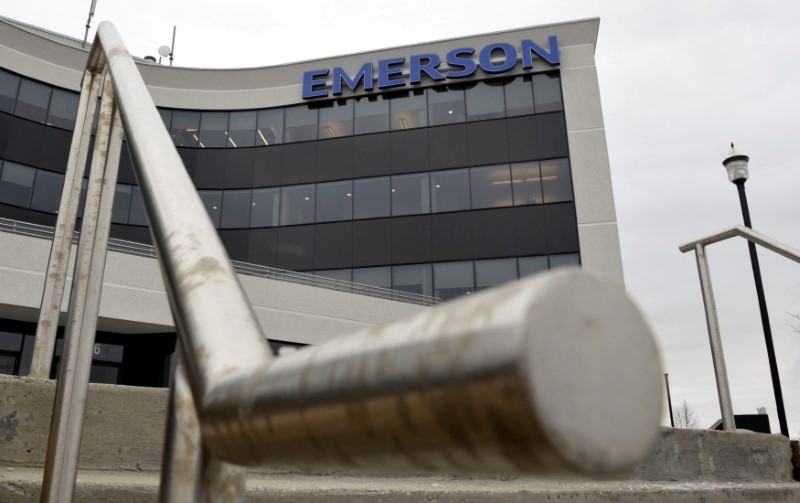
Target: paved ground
[[22, 484]]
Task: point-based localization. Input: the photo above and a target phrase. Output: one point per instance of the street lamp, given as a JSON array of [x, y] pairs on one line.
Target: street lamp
[[738, 172]]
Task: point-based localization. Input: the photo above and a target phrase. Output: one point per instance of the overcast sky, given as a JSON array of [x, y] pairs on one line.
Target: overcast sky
[[679, 81]]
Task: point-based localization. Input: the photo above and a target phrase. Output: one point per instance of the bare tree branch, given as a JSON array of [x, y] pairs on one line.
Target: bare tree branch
[[685, 417]]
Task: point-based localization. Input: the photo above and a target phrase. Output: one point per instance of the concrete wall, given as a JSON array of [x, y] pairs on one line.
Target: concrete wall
[[134, 301]]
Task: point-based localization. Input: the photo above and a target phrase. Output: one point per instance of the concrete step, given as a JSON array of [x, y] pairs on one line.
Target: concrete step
[[22, 485]]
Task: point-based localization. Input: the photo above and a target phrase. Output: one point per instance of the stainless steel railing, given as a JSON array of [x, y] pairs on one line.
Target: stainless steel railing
[[553, 374], [257, 270]]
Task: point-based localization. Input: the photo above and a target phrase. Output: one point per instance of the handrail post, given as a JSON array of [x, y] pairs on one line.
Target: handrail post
[[66, 427], [717, 356]]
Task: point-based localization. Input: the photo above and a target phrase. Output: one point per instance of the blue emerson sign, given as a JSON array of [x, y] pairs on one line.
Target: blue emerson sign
[[496, 58]]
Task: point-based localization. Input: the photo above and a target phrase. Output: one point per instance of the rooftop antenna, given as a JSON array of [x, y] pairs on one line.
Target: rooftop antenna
[[172, 50], [89, 22]]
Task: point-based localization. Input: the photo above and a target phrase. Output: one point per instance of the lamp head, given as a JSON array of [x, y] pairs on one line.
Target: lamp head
[[737, 165]]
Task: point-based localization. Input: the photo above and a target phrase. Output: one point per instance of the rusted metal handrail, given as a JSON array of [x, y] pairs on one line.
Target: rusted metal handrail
[[553, 374]]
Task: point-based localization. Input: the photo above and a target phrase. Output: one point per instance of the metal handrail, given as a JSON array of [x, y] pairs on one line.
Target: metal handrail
[[481, 384], [257, 270], [712, 321]]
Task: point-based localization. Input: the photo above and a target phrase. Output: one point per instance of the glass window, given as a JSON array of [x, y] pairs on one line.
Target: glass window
[[301, 124], [214, 129], [556, 182], [415, 278], [235, 209], [242, 129], [485, 101], [380, 277], [185, 127], [372, 114], [9, 85], [371, 198], [7, 363], [566, 259], [212, 200], [490, 186], [32, 101], [10, 341], [526, 182], [47, 191], [269, 129], [137, 215], [82, 199], [445, 105], [297, 205], [335, 201], [337, 274], [409, 109], [489, 273], [122, 203], [411, 194], [336, 119], [63, 109], [453, 279], [16, 184], [531, 265], [547, 92], [27, 355], [166, 117], [519, 96], [450, 190], [265, 207]]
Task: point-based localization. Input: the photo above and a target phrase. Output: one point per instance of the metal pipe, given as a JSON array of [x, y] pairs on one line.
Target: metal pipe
[[717, 356], [750, 235], [66, 427], [669, 402], [58, 263], [762, 307]]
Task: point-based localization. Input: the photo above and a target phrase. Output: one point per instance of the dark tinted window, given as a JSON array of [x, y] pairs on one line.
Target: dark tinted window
[[9, 85], [32, 101], [47, 191], [336, 120], [372, 114], [214, 129], [373, 276], [137, 215], [490, 186], [519, 96], [235, 209], [16, 184], [122, 203], [334, 201], [485, 101], [212, 200], [445, 105], [556, 181], [547, 92], [185, 128], [166, 117], [411, 194], [453, 279], [242, 129], [566, 259], [489, 273], [265, 207], [415, 278], [337, 274], [301, 124], [269, 129], [297, 205], [63, 109], [409, 110], [526, 182], [450, 190], [531, 265], [371, 198]]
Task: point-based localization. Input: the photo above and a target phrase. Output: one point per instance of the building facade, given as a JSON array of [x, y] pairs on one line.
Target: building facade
[[441, 168]]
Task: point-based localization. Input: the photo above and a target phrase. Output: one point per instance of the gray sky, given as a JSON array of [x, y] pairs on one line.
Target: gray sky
[[679, 81]]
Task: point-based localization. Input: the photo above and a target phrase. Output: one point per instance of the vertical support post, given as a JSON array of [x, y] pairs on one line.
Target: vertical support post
[[669, 402], [66, 427], [717, 356], [58, 264]]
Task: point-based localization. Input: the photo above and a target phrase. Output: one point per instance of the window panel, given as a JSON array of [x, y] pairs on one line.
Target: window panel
[[335, 201], [519, 96], [265, 207], [301, 124], [547, 92], [556, 181], [32, 101], [526, 182], [417, 278], [137, 214], [166, 117], [446, 105], [409, 109], [531, 265], [185, 128], [16, 184], [297, 205], [565, 259], [489, 273], [269, 129], [372, 114], [411, 194], [490, 186], [214, 129], [235, 209], [63, 109], [453, 279], [242, 129], [380, 277], [122, 203], [450, 190], [10, 341], [335, 274], [336, 120], [47, 190], [371, 198], [485, 101], [212, 200], [9, 85]]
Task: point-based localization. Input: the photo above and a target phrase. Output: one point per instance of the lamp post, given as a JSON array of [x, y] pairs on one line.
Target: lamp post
[[738, 171], [669, 402]]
